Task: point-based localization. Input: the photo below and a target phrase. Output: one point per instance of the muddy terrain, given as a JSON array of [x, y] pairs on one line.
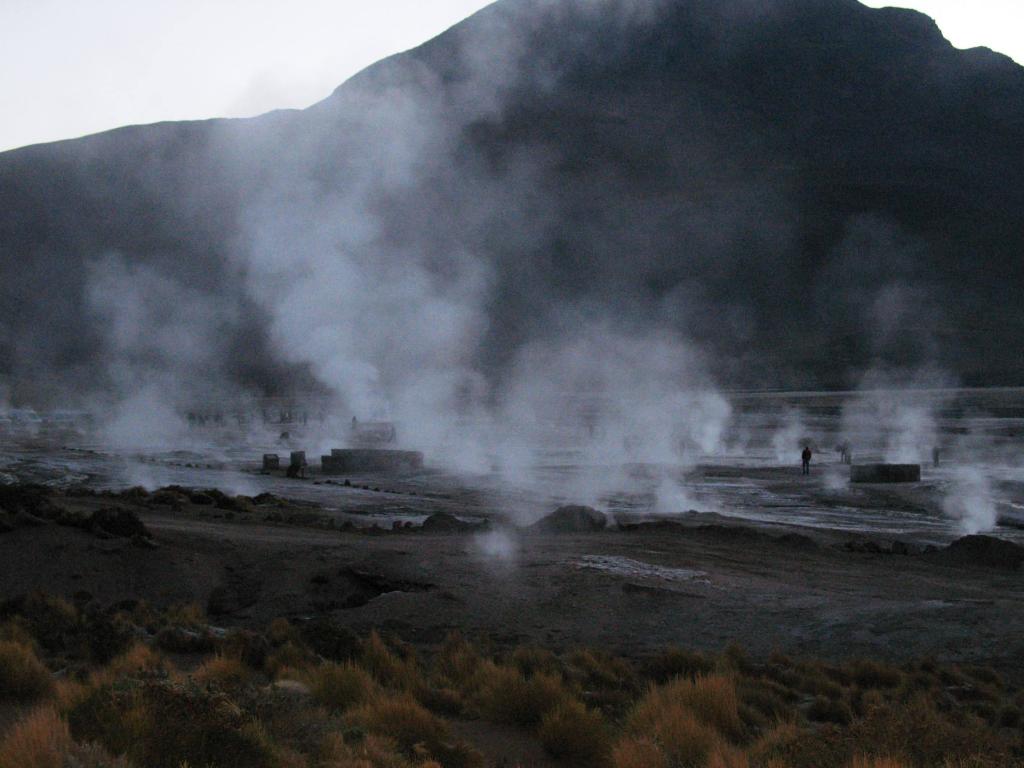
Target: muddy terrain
[[699, 580]]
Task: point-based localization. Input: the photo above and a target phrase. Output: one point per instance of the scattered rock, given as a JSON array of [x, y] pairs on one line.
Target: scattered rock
[[442, 522], [181, 640], [573, 518], [868, 547], [166, 498]]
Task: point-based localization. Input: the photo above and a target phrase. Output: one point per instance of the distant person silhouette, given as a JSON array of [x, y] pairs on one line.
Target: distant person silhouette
[[806, 458]]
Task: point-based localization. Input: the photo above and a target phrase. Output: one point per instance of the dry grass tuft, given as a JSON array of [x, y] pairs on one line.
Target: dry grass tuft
[[457, 661], [387, 667], [638, 753], [281, 631], [399, 717], [289, 656], [40, 740], [23, 677], [341, 686], [222, 671], [876, 762], [187, 616], [677, 662], [504, 695], [140, 659], [711, 699], [575, 733]]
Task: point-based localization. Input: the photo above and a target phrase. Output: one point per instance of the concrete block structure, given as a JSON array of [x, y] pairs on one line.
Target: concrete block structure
[[343, 461], [885, 473]]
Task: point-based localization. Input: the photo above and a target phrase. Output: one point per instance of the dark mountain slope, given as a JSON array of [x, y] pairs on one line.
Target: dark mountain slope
[[802, 188]]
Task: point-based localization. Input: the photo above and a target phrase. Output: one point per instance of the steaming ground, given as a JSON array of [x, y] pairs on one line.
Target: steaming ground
[[754, 476], [755, 553]]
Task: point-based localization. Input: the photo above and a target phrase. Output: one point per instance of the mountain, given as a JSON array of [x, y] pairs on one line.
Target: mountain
[[798, 190]]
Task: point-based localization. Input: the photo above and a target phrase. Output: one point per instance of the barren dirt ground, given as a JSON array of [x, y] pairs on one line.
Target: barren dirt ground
[[700, 584]]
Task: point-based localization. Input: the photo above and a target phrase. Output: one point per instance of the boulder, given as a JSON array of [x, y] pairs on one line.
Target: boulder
[[119, 523], [573, 518], [983, 551]]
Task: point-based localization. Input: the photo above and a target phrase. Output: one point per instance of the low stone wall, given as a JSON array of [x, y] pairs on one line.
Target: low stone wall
[[885, 473], [344, 461]]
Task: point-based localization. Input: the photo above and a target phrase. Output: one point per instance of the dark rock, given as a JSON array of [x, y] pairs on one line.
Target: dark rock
[[220, 602], [867, 547], [572, 519], [6, 523], [984, 552], [201, 499], [181, 640], [26, 519], [144, 542], [903, 548], [442, 522], [797, 540], [331, 640], [120, 523]]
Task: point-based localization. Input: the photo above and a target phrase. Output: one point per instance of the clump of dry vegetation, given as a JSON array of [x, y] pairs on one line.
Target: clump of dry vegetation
[[23, 677], [315, 695]]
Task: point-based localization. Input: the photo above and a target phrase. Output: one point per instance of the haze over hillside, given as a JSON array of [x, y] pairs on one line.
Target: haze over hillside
[[737, 192]]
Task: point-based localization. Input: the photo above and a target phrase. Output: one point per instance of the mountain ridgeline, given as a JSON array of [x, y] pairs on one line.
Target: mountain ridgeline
[[799, 189]]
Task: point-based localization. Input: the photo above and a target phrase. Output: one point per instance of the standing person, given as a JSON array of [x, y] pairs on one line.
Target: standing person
[[806, 458]]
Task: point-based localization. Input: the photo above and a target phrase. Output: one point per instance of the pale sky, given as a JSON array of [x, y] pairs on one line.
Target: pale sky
[[73, 67]]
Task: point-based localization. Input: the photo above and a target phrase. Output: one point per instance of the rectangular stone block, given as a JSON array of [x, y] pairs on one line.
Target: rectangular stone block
[[885, 473], [352, 460]]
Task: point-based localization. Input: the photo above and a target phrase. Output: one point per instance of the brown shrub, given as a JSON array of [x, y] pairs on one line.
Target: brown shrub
[[875, 762], [288, 656], [677, 662], [505, 696], [186, 616], [711, 698], [456, 661], [162, 724], [387, 667], [530, 659], [281, 631], [341, 686], [575, 733], [824, 710], [222, 671], [401, 718], [874, 674], [139, 660], [23, 677], [41, 740], [597, 669], [638, 753]]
